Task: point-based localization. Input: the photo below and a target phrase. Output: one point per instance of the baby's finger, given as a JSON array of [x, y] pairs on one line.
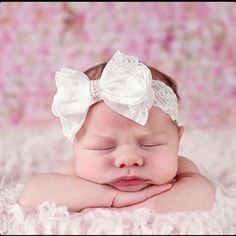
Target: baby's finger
[[129, 198], [162, 188], [152, 191]]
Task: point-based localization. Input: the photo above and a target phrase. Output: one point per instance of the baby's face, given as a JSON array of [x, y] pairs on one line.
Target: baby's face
[[110, 146]]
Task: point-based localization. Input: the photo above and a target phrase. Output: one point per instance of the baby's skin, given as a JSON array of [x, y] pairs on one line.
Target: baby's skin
[[120, 164]]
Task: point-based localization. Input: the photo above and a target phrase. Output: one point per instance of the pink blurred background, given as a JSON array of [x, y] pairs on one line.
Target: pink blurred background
[[192, 42]]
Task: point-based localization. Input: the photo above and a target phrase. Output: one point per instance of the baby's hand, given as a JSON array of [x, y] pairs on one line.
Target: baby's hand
[[123, 199], [128, 199]]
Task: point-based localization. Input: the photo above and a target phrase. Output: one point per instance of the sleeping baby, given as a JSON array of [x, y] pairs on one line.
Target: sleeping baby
[[122, 117]]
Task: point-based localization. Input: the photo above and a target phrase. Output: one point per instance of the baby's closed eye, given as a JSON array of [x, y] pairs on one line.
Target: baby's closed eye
[[103, 148], [151, 146]]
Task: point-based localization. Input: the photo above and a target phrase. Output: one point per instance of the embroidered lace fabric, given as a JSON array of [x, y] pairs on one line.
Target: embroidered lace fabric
[[125, 85]]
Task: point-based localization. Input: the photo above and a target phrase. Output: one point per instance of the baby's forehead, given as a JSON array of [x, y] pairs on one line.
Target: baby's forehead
[[100, 115]]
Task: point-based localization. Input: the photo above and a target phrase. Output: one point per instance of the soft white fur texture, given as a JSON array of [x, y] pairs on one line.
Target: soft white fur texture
[[25, 151]]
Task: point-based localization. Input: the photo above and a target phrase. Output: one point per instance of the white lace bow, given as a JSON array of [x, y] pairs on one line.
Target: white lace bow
[[125, 85]]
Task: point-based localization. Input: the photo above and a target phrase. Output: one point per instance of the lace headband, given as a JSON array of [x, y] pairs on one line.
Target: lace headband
[[125, 85]]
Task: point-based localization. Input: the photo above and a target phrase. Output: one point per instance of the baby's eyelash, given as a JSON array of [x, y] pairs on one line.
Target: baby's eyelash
[[148, 145], [104, 149], [151, 145], [109, 148]]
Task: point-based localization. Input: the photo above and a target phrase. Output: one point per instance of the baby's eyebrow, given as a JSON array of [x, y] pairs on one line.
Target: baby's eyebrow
[[153, 134], [106, 138], [140, 136]]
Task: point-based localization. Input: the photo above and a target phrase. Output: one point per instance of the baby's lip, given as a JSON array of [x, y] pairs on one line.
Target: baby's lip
[[128, 180]]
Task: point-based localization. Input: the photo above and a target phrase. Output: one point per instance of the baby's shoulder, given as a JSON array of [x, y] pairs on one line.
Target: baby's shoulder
[[189, 172], [186, 166]]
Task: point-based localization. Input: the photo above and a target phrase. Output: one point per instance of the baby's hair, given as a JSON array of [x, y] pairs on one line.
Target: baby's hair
[[95, 72]]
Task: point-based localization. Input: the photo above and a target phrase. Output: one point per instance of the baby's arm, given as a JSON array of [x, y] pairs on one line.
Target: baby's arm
[[64, 188], [191, 192]]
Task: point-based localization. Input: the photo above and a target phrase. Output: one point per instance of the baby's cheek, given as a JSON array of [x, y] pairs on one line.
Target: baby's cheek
[[89, 169], [165, 168], [84, 168]]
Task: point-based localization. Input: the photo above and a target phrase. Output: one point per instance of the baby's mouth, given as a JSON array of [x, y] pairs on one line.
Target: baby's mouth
[[128, 180], [129, 183]]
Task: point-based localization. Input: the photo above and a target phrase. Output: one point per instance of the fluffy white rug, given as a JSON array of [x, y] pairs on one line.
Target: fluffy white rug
[[25, 151]]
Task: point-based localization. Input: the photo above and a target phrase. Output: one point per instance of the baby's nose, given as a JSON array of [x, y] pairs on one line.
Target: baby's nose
[[128, 158]]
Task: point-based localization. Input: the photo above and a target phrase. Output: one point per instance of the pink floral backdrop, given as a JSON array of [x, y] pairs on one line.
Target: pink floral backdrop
[[192, 42]]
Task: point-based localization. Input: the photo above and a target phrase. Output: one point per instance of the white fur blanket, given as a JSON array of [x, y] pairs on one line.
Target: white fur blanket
[[27, 151]]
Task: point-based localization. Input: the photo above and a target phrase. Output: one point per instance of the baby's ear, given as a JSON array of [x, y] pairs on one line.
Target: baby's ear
[[180, 131]]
